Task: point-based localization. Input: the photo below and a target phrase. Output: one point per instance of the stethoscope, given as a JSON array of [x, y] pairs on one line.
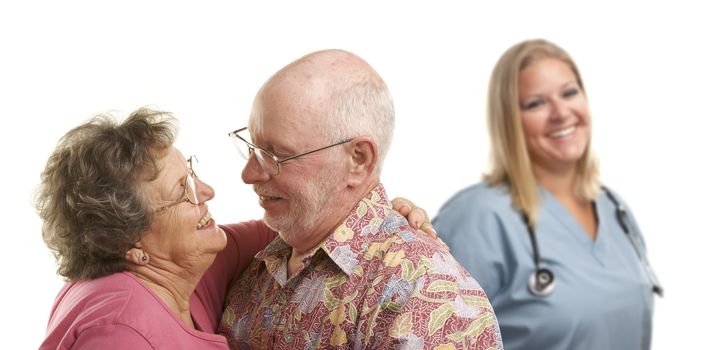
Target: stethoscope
[[542, 282]]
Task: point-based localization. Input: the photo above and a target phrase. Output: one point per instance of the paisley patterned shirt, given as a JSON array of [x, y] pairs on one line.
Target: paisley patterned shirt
[[374, 283]]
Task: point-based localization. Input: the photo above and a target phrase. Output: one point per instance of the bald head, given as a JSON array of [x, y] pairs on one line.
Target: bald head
[[333, 94], [328, 70]]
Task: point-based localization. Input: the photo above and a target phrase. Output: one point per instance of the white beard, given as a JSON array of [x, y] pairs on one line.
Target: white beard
[[309, 206]]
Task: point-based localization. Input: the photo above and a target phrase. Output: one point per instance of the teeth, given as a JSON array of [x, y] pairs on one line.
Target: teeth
[[267, 198], [204, 221], [562, 133]]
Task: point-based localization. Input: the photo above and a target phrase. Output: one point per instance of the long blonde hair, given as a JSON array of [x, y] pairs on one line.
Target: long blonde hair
[[510, 161]]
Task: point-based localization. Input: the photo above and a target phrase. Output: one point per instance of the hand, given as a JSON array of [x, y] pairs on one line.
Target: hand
[[416, 216]]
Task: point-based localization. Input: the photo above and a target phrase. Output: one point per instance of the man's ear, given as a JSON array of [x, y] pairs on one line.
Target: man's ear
[[363, 159]]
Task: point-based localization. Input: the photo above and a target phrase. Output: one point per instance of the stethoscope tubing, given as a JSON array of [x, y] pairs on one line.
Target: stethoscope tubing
[[542, 280]]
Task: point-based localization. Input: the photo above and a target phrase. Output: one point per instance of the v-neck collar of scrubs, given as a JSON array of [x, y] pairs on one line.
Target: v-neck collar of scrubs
[[598, 247]]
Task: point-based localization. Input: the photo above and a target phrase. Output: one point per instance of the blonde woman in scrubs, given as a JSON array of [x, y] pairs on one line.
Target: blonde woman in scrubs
[[586, 284]]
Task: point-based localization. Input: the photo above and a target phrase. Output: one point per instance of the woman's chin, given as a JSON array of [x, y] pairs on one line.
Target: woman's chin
[[213, 233]]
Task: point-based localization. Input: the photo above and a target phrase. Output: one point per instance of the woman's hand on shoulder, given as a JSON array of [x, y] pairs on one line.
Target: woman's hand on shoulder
[[417, 218]]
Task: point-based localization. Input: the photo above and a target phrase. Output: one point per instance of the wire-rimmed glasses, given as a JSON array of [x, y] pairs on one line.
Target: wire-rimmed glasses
[[267, 160], [190, 193]]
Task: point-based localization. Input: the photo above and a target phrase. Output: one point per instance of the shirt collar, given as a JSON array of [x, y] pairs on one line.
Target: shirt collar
[[350, 241]]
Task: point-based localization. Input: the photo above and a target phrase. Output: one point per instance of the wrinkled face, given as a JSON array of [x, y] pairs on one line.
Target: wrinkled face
[[184, 231], [295, 205], [554, 114], [298, 201]]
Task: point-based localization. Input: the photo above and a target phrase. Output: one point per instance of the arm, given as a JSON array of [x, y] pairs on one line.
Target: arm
[[245, 239]]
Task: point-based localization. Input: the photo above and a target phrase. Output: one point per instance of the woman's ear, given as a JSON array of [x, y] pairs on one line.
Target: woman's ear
[[137, 256], [364, 156]]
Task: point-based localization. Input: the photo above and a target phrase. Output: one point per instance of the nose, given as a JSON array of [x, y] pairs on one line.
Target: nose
[[561, 110], [253, 173], [203, 191]]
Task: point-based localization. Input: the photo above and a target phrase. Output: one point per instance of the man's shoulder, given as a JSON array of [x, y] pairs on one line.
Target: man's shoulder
[[407, 247], [416, 244], [428, 292]]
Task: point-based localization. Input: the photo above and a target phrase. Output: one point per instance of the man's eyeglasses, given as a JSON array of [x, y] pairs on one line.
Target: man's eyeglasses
[[190, 193], [268, 161]]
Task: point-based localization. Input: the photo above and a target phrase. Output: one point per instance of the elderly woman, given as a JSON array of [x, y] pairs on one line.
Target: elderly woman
[[128, 221], [561, 259]]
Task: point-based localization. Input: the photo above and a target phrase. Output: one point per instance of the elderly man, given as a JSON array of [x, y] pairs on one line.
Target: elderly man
[[346, 270]]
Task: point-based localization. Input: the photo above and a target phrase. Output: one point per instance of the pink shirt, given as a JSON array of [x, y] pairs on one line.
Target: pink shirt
[[120, 311]]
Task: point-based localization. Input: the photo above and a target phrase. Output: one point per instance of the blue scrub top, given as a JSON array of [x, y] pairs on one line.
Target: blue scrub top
[[602, 298]]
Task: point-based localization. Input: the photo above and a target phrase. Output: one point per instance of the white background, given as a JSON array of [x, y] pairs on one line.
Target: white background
[[651, 72]]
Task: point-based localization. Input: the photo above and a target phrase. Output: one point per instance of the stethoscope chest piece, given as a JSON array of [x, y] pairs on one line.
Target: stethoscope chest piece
[[541, 282]]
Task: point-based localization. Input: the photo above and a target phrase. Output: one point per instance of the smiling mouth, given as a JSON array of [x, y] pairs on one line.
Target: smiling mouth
[[562, 133], [203, 223], [267, 198]]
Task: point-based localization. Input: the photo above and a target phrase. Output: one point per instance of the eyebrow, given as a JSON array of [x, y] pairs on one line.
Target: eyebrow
[[571, 82], [274, 148]]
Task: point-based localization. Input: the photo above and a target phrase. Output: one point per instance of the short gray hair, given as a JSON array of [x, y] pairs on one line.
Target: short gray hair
[[361, 108]]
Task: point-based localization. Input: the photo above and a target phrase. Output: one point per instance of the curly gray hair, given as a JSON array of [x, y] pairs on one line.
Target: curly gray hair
[[90, 199]]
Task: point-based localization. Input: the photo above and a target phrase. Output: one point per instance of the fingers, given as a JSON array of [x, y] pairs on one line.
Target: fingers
[[418, 217], [402, 206], [427, 227], [443, 245]]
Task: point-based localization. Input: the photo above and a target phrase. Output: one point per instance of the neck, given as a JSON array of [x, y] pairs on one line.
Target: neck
[[301, 247], [560, 181], [174, 284]]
